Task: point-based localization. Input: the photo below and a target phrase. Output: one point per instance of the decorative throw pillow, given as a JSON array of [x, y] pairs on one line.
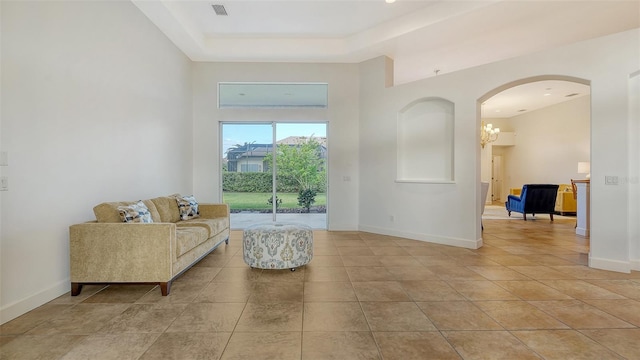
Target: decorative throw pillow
[[135, 213], [188, 207]]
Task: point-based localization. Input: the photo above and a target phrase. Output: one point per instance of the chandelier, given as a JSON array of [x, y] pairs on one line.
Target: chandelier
[[488, 134]]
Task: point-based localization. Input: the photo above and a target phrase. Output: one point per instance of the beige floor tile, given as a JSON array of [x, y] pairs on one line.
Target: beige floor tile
[[580, 289], [414, 346], [622, 341], [541, 272], [280, 316], [564, 344], [352, 260], [325, 261], [110, 346], [324, 250], [579, 315], [283, 275], [457, 315], [488, 345], [511, 260], [349, 242], [82, 319], [263, 292], [498, 273], [453, 272], [388, 250], [380, 291], [411, 273], [176, 346], [208, 317], [200, 275], [472, 260], [181, 293], [625, 309], [113, 294], [355, 251], [532, 290], [396, 316], [329, 291], [548, 260], [39, 346], [225, 292], [279, 345], [87, 291], [334, 316], [143, 318], [238, 274], [585, 272], [338, 345], [519, 315], [374, 273], [33, 318], [430, 291], [397, 260], [626, 288], [326, 274], [433, 260], [481, 290]]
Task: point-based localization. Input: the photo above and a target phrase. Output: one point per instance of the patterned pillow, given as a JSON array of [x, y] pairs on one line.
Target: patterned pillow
[[135, 213], [188, 207]]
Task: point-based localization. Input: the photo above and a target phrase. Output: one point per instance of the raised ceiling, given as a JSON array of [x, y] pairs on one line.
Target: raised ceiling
[[421, 36]]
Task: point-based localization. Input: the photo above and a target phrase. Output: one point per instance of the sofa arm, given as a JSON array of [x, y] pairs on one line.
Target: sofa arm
[[212, 211], [118, 252]]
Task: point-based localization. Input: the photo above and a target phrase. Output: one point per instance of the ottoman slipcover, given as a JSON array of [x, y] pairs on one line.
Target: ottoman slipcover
[[277, 245]]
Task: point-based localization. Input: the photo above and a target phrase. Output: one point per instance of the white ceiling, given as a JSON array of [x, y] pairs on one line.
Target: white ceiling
[[421, 36]]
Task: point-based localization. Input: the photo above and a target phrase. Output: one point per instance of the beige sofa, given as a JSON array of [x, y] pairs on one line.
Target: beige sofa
[[109, 250]]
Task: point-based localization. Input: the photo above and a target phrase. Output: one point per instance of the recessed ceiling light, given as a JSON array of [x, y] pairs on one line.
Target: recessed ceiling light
[[390, 1], [547, 94], [498, 110]]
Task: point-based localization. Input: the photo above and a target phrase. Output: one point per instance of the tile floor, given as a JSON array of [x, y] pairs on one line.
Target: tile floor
[[526, 294]]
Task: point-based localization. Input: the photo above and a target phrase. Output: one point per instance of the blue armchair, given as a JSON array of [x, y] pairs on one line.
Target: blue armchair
[[534, 199]]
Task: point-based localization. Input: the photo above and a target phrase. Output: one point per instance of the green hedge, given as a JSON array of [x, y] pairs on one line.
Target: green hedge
[[262, 182]]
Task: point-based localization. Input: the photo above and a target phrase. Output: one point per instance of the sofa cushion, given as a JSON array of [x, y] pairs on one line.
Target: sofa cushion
[[213, 226], [135, 213], [108, 212], [188, 207], [188, 238], [167, 208]]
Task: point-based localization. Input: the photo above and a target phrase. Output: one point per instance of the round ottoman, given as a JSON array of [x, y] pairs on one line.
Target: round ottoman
[[277, 245]]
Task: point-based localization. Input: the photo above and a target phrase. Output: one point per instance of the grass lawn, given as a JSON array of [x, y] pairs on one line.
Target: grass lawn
[[259, 201]]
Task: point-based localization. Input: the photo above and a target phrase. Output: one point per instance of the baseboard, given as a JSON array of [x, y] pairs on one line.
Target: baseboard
[[611, 265], [342, 227], [635, 264], [443, 240], [15, 309]]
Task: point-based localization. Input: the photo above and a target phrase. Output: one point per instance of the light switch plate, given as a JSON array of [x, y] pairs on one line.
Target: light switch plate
[[611, 180]]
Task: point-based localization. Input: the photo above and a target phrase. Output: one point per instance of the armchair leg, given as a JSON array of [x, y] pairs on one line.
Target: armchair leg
[[165, 288], [525, 217], [551, 216], [76, 288]]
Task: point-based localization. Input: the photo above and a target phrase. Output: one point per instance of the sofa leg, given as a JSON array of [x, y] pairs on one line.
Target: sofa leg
[[551, 216], [165, 287], [525, 217], [76, 288], [227, 241]]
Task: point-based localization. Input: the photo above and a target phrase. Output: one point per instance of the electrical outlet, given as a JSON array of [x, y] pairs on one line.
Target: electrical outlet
[[4, 183], [611, 180]]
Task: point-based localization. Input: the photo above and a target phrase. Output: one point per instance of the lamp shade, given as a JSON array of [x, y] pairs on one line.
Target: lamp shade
[[584, 167]]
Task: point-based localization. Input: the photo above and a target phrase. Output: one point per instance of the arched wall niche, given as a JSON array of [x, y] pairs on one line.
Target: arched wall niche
[[425, 141]]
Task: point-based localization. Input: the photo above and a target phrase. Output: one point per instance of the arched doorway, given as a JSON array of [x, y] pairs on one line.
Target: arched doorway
[[545, 132]]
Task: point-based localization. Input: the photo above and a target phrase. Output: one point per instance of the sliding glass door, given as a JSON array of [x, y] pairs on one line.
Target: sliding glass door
[[275, 172]]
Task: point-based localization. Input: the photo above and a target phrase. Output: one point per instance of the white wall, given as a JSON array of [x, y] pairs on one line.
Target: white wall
[[417, 208], [341, 114], [634, 170], [96, 106], [550, 143]]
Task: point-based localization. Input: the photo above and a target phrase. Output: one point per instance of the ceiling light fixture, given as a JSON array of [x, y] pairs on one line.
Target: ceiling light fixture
[[389, 1], [488, 134]]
